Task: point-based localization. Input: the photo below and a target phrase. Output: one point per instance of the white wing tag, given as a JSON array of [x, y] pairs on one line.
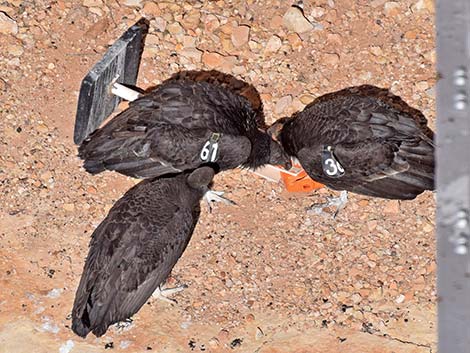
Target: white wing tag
[[210, 149], [331, 166]]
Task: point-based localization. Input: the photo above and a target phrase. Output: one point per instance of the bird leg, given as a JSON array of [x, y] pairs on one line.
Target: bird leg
[[216, 196], [338, 202], [162, 293]]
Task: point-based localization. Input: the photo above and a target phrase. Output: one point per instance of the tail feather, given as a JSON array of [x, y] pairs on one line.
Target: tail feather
[[81, 325], [94, 167], [122, 155], [405, 185], [389, 188]]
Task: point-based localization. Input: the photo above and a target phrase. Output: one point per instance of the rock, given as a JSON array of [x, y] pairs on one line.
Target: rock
[[189, 42], [91, 190], [377, 3], [131, 3], [7, 24], [298, 105], [193, 54], [392, 8], [392, 207], [151, 9], [226, 28], [372, 225], [92, 3], [411, 34], [250, 318], [191, 20], [14, 62], [69, 207], [175, 28], [299, 291], [254, 46], [46, 177], [227, 44], [211, 23], [363, 203], [276, 22], [159, 23], [96, 10], [428, 228], [331, 59], [306, 99], [42, 128], [98, 28], [212, 60], [380, 60], [15, 50], [240, 35], [228, 63], [295, 41], [377, 51], [294, 20], [273, 45], [400, 299], [317, 12], [282, 104], [424, 5], [422, 85]]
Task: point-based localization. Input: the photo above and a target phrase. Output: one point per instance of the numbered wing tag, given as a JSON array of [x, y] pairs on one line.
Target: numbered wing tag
[[331, 166], [210, 149]]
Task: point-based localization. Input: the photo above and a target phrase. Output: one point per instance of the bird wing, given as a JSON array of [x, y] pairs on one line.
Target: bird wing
[[196, 105], [371, 140], [131, 252], [229, 82], [164, 132]]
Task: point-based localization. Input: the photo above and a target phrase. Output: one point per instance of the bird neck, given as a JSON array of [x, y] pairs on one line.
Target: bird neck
[[260, 150], [286, 137]]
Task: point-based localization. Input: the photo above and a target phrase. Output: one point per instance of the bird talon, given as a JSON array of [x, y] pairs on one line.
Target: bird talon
[[216, 196], [338, 202], [162, 293]]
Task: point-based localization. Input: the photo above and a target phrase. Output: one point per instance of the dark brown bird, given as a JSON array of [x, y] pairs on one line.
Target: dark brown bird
[[179, 126], [229, 82], [135, 248], [364, 140]]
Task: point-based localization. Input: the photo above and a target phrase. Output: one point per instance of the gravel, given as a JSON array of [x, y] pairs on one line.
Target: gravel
[[265, 263]]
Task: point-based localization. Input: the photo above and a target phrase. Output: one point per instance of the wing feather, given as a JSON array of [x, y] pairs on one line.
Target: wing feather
[[383, 144], [133, 250]]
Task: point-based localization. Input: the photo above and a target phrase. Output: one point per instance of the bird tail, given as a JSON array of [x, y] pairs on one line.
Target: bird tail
[[91, 309], [408, 184], [126, 155]]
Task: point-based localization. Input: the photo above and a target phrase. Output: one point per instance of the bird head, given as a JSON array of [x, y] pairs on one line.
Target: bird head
[[278, 156], [275, 129], [201, 177]]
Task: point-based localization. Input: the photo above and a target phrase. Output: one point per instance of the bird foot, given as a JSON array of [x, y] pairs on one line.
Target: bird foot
[[338, 202], [216, 196], [163, 293], [124, 325]]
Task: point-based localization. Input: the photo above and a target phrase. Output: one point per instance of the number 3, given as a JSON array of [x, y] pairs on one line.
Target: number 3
[[333, 167]]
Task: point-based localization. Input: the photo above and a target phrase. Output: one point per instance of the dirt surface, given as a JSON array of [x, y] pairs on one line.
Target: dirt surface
[[264, 276]]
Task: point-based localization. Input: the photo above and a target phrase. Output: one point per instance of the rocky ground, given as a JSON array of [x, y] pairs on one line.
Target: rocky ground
[[264, 276]]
